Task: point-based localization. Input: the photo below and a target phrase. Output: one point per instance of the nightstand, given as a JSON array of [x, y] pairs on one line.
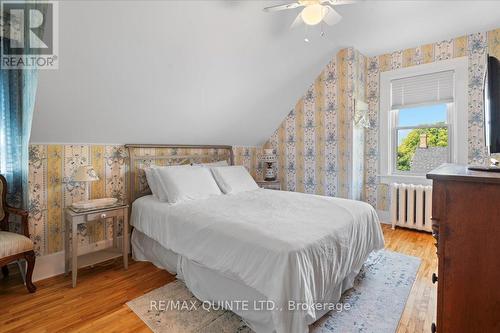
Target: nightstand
[[271, 185], [73, 218]]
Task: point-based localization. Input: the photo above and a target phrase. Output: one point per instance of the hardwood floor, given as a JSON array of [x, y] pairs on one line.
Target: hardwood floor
[[420, 310], [97, 304]]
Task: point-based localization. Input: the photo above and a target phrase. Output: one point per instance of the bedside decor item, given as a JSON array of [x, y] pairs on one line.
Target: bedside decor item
[[269, 158], [86, 174], [73, 260], [94, 204]]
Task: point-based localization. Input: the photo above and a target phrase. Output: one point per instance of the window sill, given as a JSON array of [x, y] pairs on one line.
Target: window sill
[[404, 179]]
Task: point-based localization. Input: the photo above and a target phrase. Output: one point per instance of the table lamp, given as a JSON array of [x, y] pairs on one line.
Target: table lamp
[[269, 158], [86, 174]]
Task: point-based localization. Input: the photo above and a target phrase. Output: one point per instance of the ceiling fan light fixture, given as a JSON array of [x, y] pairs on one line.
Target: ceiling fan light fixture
[[313, 14]]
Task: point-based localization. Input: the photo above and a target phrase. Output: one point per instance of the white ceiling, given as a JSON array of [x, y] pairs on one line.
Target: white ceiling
[[212, 72]]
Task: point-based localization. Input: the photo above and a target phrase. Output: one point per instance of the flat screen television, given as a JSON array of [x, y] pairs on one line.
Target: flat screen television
[[492, 105]]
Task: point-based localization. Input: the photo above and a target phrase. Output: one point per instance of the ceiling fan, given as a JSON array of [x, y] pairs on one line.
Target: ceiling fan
[[314, 12]]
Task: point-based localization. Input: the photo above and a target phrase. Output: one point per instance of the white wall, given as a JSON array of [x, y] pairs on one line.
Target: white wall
[[218, 72], [173, 72]]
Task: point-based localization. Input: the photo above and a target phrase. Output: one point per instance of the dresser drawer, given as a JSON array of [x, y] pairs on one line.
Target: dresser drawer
[[465, 220], [104, 215]]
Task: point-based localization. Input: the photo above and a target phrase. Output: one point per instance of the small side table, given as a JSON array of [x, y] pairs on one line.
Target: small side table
[[73, 218], [270, 185]]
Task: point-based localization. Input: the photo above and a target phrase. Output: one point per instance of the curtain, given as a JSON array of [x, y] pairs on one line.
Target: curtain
[[17, 99]]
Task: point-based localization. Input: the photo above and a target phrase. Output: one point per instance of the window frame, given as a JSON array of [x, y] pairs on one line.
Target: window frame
[[457, 119], [394, 128]]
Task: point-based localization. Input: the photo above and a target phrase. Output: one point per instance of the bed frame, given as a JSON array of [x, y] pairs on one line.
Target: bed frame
[[144, 155]]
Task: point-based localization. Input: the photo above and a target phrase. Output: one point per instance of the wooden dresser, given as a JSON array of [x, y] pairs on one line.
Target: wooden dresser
[[466, 225]]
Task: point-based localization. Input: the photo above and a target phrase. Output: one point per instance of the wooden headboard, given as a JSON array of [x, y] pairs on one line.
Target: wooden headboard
[[144, 155]]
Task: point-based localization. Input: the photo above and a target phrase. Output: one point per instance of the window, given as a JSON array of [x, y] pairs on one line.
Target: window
[[422, 119], [421, 138]]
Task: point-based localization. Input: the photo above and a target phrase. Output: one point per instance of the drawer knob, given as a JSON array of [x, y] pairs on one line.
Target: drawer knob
[[103, 215], [433, 328], [434, 278]]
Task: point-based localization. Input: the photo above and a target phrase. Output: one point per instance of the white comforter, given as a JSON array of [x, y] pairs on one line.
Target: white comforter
[[286, 245]]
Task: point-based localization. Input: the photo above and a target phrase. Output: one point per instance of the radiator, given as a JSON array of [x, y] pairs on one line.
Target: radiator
[[411, 206]]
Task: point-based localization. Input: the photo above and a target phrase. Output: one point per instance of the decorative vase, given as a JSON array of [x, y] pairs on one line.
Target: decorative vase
[[269, 158]]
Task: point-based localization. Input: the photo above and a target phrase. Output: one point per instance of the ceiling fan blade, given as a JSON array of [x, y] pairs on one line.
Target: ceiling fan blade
[[338, 2], [298, 21], [331, 17], [282, 7]]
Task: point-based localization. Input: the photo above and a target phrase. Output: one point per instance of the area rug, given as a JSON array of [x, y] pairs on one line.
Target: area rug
[[373, 305]]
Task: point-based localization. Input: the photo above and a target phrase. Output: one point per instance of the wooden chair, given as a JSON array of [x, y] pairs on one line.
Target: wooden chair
[[14, 246]]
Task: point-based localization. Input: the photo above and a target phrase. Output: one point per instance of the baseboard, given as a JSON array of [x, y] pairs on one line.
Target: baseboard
[[384, 216], [53, 264]]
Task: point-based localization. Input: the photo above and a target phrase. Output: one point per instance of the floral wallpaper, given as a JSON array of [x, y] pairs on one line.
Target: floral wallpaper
[[315, 142], [51, 191], [475, 47], [249, 157], [320, 151]]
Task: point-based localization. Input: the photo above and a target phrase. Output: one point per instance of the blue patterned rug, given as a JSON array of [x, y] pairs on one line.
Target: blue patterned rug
[[374, 305]]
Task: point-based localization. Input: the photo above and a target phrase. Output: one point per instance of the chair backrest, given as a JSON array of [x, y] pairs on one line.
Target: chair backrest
[[3, 196]]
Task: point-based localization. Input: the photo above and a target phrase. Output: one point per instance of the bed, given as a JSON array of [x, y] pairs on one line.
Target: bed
[[255, 246]]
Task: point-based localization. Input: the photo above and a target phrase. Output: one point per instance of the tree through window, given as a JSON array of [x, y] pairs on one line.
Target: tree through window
[[421, 137]]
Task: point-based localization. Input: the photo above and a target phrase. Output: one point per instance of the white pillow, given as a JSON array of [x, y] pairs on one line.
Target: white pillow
[[161, 193], [213, 164], [233, 179], [179, 183], [152, 181]]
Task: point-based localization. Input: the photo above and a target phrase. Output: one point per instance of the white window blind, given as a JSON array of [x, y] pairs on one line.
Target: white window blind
[[422, 89]]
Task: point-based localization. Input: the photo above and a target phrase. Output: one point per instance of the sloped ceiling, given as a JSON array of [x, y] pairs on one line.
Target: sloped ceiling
[[213, 72]]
